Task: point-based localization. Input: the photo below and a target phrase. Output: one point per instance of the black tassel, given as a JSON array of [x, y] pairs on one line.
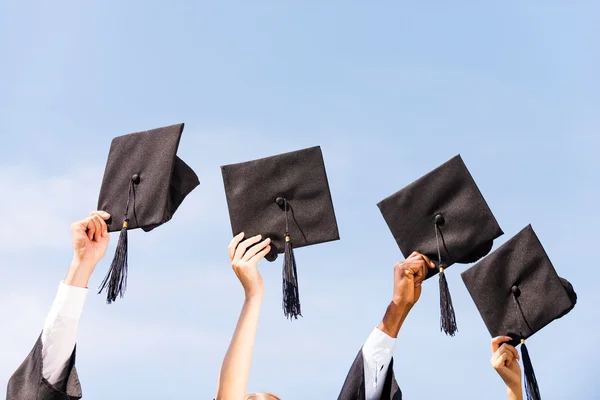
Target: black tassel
[[531, 386], [116, 278], [291, 296], [447, 316]]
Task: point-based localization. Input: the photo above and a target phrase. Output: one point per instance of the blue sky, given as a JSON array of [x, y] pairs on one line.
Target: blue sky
[[388, 91]]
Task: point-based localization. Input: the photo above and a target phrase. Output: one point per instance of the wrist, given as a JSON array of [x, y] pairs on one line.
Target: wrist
[[254, 297], [401, 304], [79, 274], [394, 317]]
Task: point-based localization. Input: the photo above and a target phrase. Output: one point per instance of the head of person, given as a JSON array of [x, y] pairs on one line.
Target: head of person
[[262, 396]]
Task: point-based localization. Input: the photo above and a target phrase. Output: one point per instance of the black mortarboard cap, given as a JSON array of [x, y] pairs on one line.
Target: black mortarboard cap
[[518, 292], [287, 199], [144, 184], [444, 216]]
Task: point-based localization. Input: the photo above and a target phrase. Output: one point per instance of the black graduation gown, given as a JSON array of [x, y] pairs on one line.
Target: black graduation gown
[[28, 383], [354, 386]]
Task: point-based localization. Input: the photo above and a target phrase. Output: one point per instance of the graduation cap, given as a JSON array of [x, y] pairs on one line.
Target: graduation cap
[[144, 184], [443, 216], [287, 199], [518, 292]]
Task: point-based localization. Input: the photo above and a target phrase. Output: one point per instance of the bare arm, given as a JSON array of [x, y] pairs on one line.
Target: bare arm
[[233, 377], [90, 239], [394, 318]]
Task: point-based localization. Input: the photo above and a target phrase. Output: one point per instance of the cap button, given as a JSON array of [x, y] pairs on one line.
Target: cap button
[[515, 290], [439, 220], [135, 178]]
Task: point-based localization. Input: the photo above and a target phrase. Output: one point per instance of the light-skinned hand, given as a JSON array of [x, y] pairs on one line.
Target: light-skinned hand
[[505, 361], [244, 257], [90, 239]]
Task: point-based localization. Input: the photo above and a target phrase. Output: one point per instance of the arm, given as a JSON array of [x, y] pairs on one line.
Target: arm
[[505, 361], [379, 347], [90, 239], [48, 372], [233, 377]]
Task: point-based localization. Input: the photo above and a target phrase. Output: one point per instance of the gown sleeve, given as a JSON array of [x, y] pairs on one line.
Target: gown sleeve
[[28, 382], [354, 385]]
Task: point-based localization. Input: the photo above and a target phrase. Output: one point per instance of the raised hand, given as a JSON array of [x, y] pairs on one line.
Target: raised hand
[[505, 361], [90, 239], [244, 257], [235, 370], [408, 276]]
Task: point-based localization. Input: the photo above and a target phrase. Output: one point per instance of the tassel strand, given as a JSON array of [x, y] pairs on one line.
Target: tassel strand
[[531, 386], [291, 295], [116, 278], [447, 316]]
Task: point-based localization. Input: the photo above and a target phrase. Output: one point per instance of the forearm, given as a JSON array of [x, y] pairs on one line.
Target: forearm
[[394, 317], [78, 274], [235, 370]]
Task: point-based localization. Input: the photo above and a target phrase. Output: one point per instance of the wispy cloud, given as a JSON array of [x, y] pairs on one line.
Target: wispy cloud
[[39, 210]]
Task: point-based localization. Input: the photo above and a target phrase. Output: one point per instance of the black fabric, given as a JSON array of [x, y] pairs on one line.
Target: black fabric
[[354, 385], [469, 227], [517, 290], [252, 187], [165, 180], [28, 383]]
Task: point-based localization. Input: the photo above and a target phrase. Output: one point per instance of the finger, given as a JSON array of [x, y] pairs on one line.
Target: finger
[[509, 355], [102, 228], [251, 252], [103, 214], [101, 217], [428, 261], [413, 267], [260, 255], [241, 248], [501, 361], [407, 269], [98, 227], [421, 272], [233, 244], [89, 225], [509, 360], [512, 349], [498, 340], [90, 220]]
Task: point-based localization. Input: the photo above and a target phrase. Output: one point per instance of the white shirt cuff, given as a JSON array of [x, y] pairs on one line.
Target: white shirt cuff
[[379, 346]]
